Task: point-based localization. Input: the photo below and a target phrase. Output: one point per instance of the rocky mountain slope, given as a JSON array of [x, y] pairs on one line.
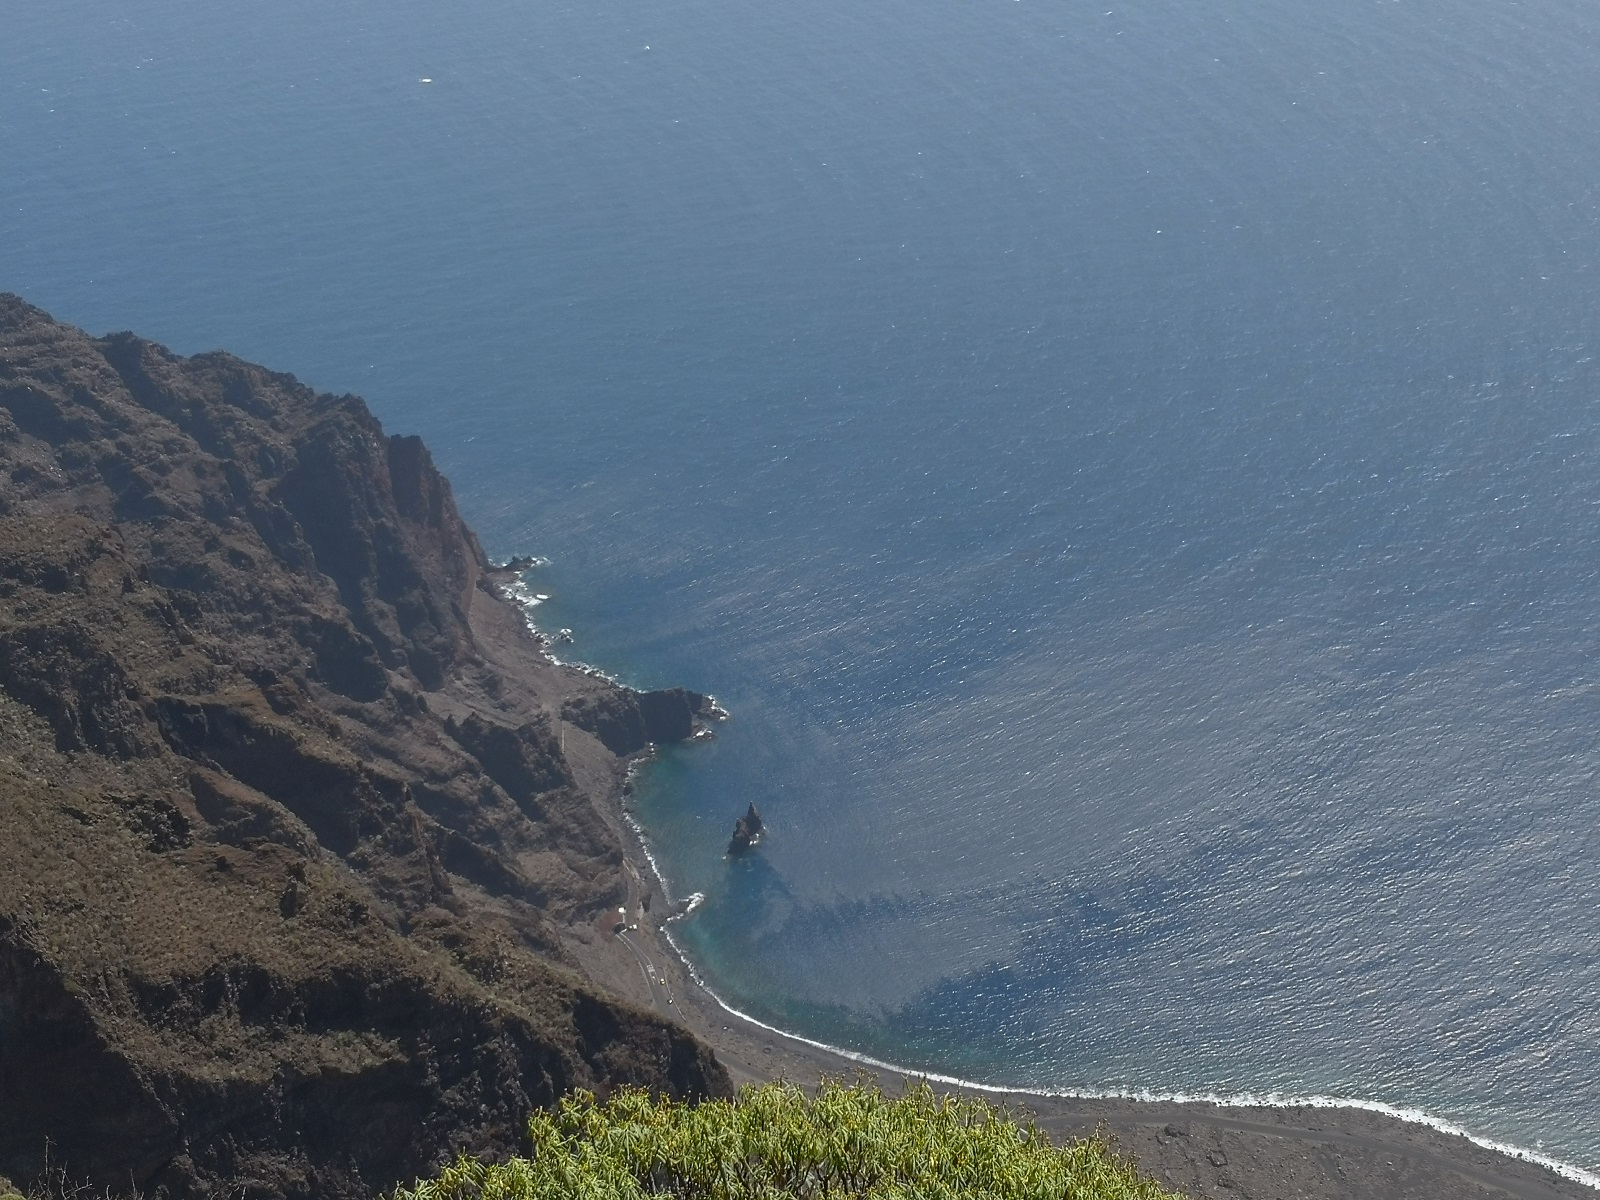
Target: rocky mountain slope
[[303, 837]]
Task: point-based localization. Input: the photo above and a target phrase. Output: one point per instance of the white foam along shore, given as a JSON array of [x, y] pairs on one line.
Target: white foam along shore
[[1413, 1116], [528, 600], [519, 592]]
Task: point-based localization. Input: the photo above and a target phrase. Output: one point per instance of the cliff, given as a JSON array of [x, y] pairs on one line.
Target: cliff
[[303, 835]]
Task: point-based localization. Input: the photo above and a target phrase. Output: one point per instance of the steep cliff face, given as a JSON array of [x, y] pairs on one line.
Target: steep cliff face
[[299, 825]]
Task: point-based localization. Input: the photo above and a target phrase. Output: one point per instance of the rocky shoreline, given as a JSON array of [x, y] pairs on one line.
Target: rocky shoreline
[[318, 863]]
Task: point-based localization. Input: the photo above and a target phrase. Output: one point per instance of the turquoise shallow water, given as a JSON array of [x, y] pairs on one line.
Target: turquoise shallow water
[[1131, 471]]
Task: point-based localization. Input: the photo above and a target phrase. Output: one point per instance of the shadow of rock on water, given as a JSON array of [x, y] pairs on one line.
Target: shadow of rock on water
[[754, 900]]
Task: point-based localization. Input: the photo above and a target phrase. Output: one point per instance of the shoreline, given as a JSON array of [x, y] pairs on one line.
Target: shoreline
[[1247, 1145], [1241, 1145], [1265, 1101]]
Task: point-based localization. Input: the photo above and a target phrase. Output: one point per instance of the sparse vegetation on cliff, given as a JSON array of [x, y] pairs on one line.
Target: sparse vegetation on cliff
[[774, 1142], [303, 836]]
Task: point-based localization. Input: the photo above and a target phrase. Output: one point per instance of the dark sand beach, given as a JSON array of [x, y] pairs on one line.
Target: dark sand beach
[[1198, 1149]]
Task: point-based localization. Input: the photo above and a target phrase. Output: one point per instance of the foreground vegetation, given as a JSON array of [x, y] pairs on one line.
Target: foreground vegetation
[[774, 1142]]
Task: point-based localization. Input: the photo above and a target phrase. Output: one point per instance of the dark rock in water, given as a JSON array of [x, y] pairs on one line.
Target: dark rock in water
[[746, 831], [669, 715], [627, 722], [295, 849]]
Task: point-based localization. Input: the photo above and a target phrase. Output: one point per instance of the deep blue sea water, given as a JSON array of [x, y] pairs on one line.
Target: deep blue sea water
[[1133, 471]]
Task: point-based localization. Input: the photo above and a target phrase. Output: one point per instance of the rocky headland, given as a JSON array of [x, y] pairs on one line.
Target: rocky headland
[[304, 839]]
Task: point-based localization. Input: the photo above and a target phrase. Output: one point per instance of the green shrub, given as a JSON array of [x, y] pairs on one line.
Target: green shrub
[[774, 1142]]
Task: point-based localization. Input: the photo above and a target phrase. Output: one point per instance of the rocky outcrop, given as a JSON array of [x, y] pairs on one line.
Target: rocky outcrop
[[672, 715], [60, 671], [747, 831], [628, 722], [301, 828]]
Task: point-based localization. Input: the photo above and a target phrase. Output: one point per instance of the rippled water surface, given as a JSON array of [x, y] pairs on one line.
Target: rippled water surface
[[1130, 469]]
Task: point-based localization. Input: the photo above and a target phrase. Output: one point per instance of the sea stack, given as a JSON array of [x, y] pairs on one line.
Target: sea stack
[[746, 831]]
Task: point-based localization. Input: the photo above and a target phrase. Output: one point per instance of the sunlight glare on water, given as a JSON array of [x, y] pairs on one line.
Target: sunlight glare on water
[[1132, 474]]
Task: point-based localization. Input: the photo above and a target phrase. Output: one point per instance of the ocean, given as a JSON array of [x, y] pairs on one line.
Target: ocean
[[1132, 472]]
